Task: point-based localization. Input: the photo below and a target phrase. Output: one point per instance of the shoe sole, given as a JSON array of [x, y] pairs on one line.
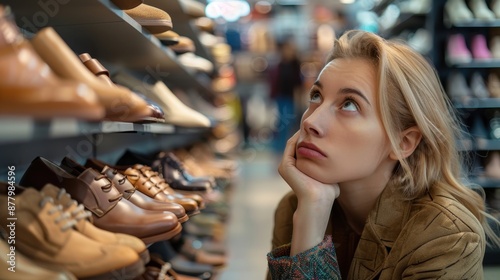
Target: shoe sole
[[164, 236]]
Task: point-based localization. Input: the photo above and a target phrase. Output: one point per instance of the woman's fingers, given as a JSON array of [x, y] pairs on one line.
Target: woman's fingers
[[288, 158]]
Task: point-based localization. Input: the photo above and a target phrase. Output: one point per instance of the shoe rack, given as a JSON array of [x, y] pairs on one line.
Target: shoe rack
[[121, 44], [479, 112]]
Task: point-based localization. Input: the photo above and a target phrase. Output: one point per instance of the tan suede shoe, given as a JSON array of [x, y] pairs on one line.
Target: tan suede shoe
[[153, 19], [45, 232], [84, 226]]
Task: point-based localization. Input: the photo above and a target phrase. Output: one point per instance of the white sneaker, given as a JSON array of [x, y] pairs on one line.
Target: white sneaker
[[481, 11], [457, 89], [457, 12], [478, 86]]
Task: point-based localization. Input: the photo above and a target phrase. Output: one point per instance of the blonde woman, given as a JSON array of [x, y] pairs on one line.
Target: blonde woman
[[378, 189]]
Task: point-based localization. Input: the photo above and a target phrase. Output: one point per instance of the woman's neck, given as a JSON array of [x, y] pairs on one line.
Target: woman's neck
[[357, 200]]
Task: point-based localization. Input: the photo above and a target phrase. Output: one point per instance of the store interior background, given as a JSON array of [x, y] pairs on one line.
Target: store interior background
[[252, 127]]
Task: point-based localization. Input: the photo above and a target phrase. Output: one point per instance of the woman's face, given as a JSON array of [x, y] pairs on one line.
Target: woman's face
[[341, 136]]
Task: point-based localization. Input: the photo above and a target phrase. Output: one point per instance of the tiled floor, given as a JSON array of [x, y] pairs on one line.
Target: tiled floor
[[254, 199]]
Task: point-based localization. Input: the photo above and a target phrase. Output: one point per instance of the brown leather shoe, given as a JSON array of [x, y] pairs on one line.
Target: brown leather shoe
[[44, 232], [156, 190], [121, 104], [84, 226], [28, 87], [136, 197], [99, 195], [25, 268], [94, 66]]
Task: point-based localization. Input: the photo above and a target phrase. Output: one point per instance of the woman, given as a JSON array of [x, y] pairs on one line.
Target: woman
[[376, 175]]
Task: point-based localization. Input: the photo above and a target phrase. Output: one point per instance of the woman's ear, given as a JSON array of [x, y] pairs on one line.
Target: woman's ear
[[410, 138]]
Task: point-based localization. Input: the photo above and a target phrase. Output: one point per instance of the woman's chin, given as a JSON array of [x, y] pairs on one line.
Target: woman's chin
[[313, 172]]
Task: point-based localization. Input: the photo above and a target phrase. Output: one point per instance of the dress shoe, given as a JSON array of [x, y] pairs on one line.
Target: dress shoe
[[45, 233], [28, 87], [136, 197], [481, 11], [176, 112], [127, 4], [109, 211], [157, 189], [153, 19], [26, 268], [457, 12], [94, 66], [184, 45], [120, 104], [457, 51], [85, 227], [478, 86], [480, 49]]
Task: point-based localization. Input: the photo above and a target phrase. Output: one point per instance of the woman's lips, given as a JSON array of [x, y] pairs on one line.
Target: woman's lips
[[309, 150]]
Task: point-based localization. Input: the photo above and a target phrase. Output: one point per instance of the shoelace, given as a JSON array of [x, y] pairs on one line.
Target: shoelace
[[107, 187], [79, 213], [149, 173], [64, 219], [163, 272], [121, 180]]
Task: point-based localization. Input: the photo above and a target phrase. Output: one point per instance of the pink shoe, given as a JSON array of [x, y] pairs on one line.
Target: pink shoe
[[480, 49], [457, 51]]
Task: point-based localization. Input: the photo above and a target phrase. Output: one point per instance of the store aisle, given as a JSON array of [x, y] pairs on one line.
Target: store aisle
[[253, 201]]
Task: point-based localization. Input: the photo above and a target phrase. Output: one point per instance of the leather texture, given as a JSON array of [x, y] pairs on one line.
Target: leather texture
[[400, 236], [99, 196], [138, 198], [120, 103], [29, 87], [45, 233]]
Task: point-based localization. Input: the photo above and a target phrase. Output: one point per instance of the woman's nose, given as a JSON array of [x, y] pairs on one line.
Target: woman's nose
[[312, 123]]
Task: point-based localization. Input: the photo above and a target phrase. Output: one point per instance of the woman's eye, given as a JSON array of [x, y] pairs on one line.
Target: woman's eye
[[314, 97], [349, 105]]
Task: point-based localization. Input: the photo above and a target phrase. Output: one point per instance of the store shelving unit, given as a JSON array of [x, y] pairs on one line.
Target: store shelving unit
[[108, 34]]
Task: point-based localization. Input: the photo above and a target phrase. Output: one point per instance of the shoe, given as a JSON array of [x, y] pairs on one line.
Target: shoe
[[176, 112], [45, 233], [457, 51], [28, 87], [495, 47], [85, 227], [205, 24], [94, 66], [168, 38], [494, 85], [495, 7], [492, 167], [478, 86], [154, 187], [136, 197], [458, 89], [159, 269], [456, 12], [480, 49], [27, 268], [109, 211], [421, 41], [415, 6], [153, 19], [193, 8], [184, 45], [481, 11], [120, 104], [127, 4], [196, 63]]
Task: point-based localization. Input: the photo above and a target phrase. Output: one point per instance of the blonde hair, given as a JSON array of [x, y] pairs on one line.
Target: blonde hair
[[410, 94]]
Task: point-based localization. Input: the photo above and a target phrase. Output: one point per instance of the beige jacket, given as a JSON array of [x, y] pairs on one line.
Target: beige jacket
[[433, 237]]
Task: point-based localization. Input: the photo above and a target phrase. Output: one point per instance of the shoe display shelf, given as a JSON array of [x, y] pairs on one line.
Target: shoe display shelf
[[440, 30], [119, 42]]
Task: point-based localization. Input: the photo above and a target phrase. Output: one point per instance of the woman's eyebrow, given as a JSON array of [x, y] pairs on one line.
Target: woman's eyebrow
[[354, 91]]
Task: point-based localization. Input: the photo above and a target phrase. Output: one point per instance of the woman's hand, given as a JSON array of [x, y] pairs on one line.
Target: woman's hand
[[315, 201], [305, 187]]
